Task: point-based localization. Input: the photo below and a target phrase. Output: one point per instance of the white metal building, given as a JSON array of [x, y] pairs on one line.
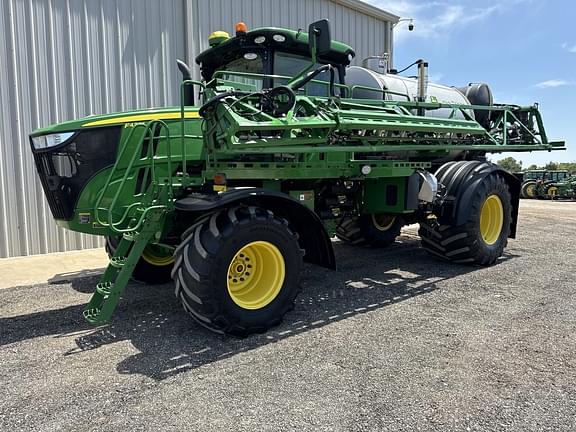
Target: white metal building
[[64, 59]]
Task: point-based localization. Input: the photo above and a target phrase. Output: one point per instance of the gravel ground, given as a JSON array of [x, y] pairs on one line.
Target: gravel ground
[[393, 341]]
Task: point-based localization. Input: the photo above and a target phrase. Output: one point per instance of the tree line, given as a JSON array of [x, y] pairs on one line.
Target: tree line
[[513, 165]]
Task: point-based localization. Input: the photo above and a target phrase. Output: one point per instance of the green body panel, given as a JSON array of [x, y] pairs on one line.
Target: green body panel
[[385, 195], [121, 118], [85, 220], [318, 170], [306, 197]]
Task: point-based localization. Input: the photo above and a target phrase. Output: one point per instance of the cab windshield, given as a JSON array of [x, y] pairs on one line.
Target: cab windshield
[[250, 63], [283, 64], [290, 65]]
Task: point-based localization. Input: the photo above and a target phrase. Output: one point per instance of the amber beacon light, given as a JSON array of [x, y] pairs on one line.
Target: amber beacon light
[[241, 28]]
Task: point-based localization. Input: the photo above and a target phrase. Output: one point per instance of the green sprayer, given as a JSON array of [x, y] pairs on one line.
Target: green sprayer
[[282, 146]]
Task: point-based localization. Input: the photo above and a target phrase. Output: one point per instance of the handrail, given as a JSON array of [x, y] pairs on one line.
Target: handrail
[[349, 89], [220, 73], [148, 134]]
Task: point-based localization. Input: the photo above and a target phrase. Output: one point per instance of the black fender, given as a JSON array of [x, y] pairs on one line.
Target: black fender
[[313, 237], [460, 180]]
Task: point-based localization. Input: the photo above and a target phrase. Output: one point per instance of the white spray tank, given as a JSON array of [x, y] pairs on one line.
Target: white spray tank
[[374, 74]]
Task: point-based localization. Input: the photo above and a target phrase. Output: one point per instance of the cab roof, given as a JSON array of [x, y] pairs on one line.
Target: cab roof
[[296, 42]]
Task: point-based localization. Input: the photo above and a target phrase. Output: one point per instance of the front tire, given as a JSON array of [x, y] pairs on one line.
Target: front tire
[[154, 267], [237, 271], [483, 237], [376, 230]]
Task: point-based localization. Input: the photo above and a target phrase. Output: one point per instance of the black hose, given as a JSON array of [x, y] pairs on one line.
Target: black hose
[[211, 103], [409, 66], [278, 101], [314, 74]]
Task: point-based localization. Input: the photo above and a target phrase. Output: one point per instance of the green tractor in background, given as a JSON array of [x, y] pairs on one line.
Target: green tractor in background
[[540, 183], [280, 147], [564, 189]]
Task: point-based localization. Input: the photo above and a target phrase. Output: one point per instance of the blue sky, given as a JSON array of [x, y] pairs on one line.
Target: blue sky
[[524, 49]]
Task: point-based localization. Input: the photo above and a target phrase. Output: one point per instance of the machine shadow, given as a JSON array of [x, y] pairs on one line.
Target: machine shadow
[[53, 322], [170, 342], [82, 281]]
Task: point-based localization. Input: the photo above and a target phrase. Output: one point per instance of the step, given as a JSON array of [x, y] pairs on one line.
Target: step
[[131, 236], [118, 262], [92, 315], [104, 288]]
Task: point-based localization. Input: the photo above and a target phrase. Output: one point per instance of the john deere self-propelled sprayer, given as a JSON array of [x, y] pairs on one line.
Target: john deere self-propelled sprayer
[[286, 146]]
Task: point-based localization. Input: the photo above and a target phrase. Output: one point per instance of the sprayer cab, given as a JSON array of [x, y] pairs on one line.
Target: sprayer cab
[[274, 51]]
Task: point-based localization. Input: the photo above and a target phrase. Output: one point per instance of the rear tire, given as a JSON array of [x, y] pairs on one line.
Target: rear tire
[[529, 189], [153, 268], [483, 237], [237, 271], [377, 230], [550, 190]]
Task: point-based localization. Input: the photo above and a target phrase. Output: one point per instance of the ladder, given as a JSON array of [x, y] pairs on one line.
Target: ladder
[[117, 275], [140, 224]]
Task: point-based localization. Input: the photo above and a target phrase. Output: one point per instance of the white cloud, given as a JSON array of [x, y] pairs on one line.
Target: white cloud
[[569, 47], [404, 8], [438, 18], [447, 19], [552, 83]]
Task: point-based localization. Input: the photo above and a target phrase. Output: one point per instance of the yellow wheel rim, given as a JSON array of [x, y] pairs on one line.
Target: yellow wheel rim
[[491, 219], [531, 190], [256, 275], [552, 191], [157, 256], [383, 221]]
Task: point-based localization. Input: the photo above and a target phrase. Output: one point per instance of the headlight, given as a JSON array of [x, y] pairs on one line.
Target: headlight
[[46, 141]]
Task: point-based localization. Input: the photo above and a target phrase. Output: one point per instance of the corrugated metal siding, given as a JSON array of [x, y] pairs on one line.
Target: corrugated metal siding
[[365, 33], [64, 59]]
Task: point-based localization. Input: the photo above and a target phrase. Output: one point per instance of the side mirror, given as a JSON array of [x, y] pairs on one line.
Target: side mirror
[[319, 37]]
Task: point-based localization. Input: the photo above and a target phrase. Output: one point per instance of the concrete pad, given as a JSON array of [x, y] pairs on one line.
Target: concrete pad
[[51, 268]]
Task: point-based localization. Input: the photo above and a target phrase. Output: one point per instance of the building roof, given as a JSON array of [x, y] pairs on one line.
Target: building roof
[[368, 9]]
